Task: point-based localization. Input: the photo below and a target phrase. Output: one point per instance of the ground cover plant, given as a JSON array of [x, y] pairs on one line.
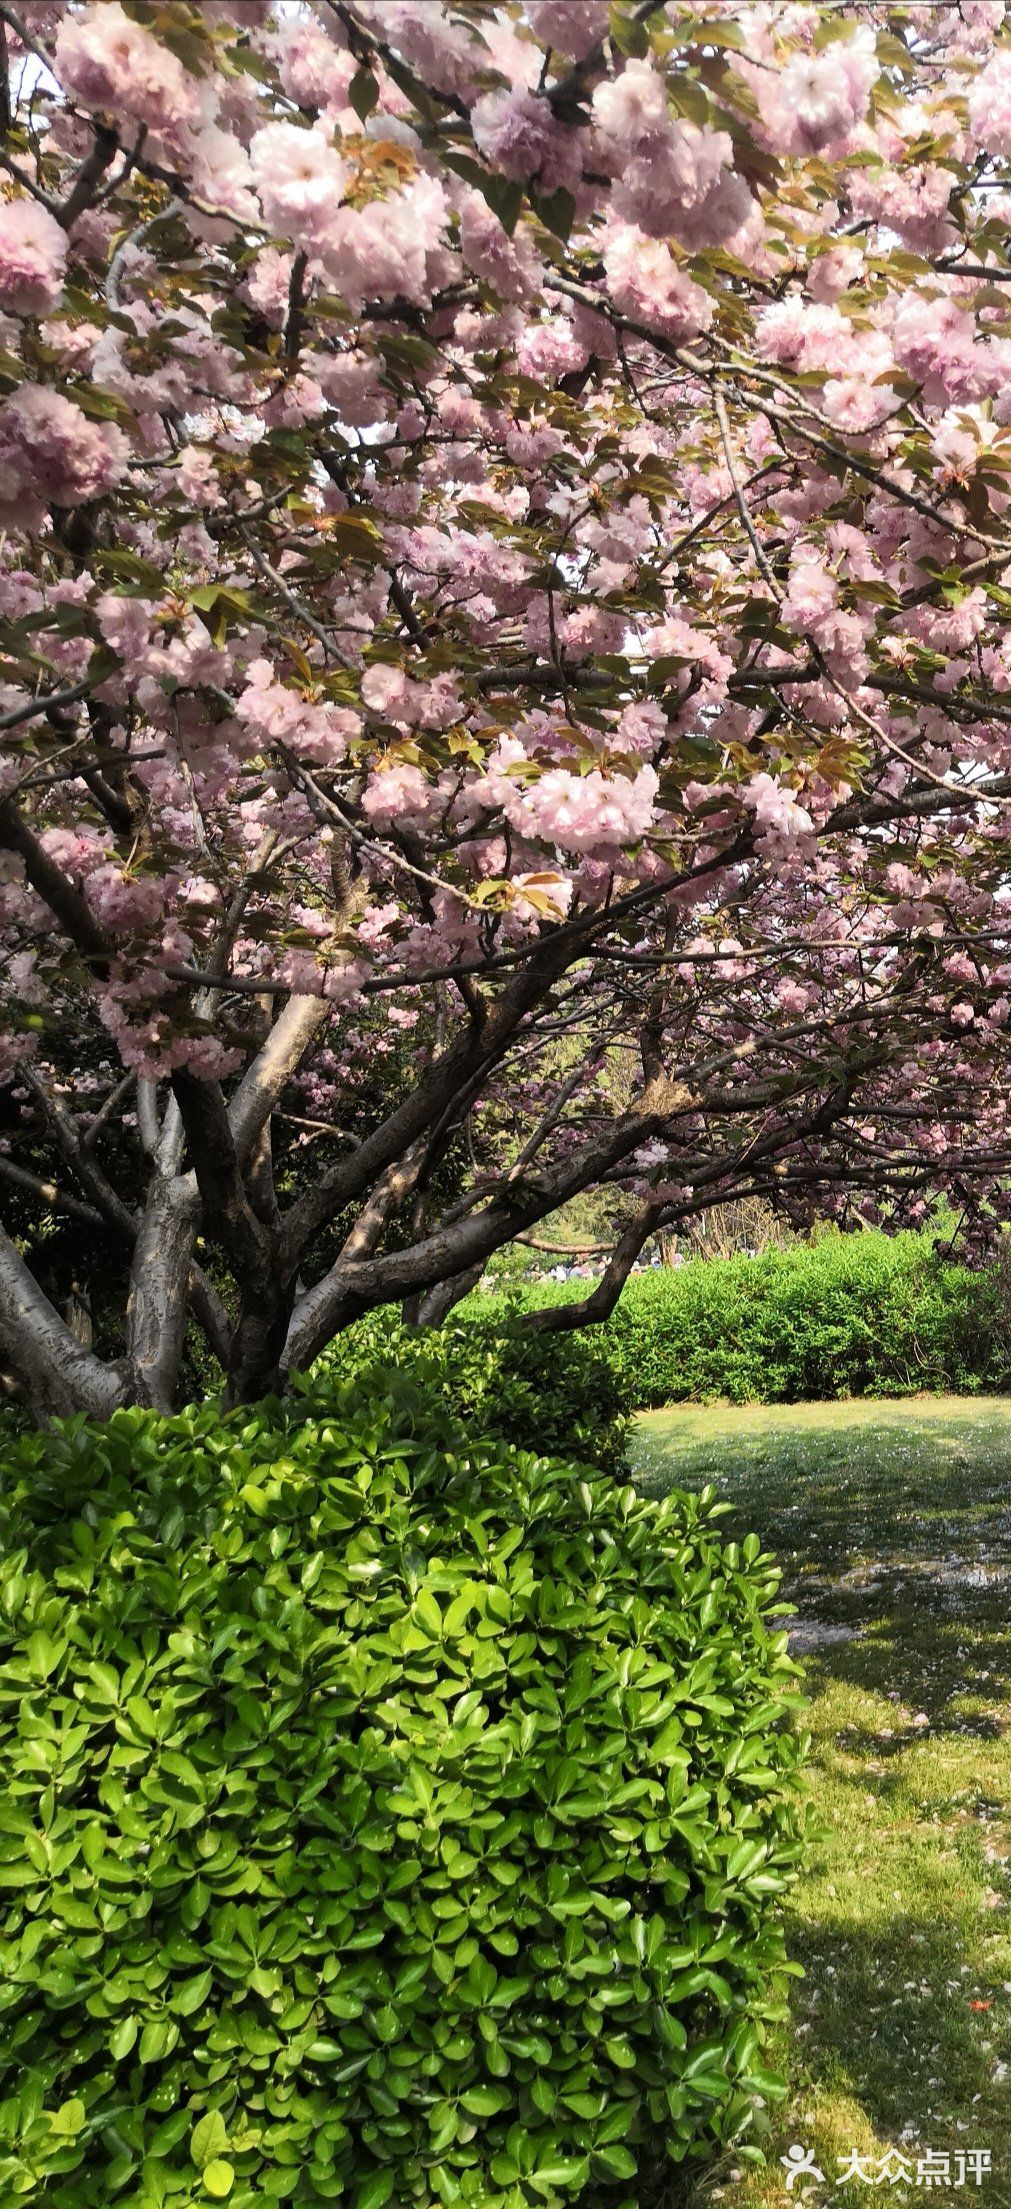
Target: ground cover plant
[[863, 1314], [892, 1524], [387, 1816]]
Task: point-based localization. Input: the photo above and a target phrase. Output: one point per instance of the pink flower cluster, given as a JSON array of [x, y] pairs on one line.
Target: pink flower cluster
[[273, 714], [990, 105], [314, 73], [780, 819], [443, 51], [811, 607], [912, 200], [570, 27], [517, 131], [300, 180], [817, 100], [703, 657], [400, 791], [33, 254], [587, 813], [816, 335], [394, 696], [123, 72], [52, 455], [673, 179], [646, 283], [392, 248], [117, 67], [509, 265], [935, 340], [387, 249], [147, 1043]]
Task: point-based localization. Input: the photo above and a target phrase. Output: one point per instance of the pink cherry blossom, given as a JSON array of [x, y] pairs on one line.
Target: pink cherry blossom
[[300, 179], [776, 808], [33, 254], [990, 105], [52, 455], [518, 132], [819, 98], [113, 65], [508, 264], [585, 813], [645, 281], [437, 44], [399, 792], [672, 176], [389, 249], [571, 27]]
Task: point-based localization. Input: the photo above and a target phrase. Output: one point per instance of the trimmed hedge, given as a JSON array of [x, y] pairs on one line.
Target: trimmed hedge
[[563, 1395], [387, 1817], [851, 1315]]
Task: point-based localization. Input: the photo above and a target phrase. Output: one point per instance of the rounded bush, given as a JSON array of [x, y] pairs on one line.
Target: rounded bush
[[557, 1394], [387, 1817]]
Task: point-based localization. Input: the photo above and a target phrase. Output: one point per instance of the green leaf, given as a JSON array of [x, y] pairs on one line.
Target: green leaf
[[376, 2191], [217, 605], [556, 210], [355, 537], [209, 2138], [122, 2039], [616, 2161], [363, 93], [505, 198], [218, 2178], [428, 1614], [629, 36], [565, 2171], [484, 2101], [192, 1993]]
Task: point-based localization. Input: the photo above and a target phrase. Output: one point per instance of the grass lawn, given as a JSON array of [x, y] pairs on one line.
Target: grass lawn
[[893, 1524]]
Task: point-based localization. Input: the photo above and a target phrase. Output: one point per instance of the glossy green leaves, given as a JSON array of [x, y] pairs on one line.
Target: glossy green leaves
[[386, 1817]]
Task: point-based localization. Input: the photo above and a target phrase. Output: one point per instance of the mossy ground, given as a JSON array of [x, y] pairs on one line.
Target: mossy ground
[[893, 1525]]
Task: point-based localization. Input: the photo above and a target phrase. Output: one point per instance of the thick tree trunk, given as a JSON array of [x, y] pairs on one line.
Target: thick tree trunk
[[159, 1288], [256, 1366]]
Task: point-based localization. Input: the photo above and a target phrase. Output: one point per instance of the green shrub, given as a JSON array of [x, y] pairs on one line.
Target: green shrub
[[561, 1395], [387, 1816], [851, 1315]]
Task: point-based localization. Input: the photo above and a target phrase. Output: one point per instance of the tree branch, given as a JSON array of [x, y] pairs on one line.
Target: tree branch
[[600, 1302], [65, 901], [57, 1373]]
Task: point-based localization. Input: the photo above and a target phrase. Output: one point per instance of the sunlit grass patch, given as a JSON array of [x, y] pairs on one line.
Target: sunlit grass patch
[[893, 1524]]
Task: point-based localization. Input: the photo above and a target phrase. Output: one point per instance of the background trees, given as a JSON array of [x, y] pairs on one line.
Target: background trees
[[507, 691]]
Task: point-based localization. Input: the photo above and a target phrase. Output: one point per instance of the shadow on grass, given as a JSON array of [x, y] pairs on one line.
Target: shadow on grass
[[917, 2055], [942, 1666], [892, 1523], [831, 1496]]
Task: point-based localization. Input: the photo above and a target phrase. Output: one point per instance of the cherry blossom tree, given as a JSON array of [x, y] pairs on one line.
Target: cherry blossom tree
[[507, 691]]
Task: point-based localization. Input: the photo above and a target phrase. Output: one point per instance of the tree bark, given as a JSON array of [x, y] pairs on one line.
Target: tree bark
[[432, 1308], [159, 1288], [57, 1374]]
